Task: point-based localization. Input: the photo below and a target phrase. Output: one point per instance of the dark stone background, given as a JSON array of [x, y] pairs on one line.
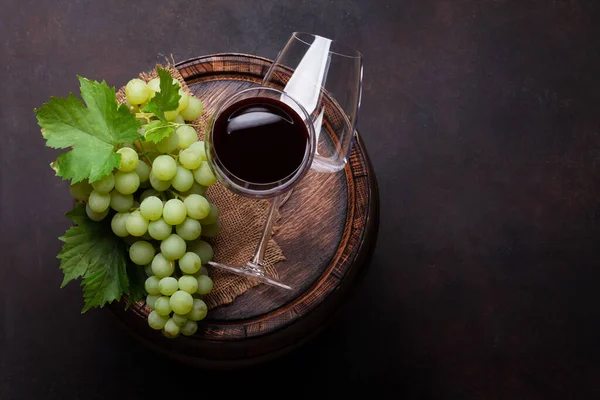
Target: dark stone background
[[482, 121]]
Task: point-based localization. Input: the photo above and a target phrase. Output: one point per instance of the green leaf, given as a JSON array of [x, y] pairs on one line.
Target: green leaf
[[158, 130], [168, 97], [105, 283], [91, 251], [92, 132], [137, 278], [77, 214]]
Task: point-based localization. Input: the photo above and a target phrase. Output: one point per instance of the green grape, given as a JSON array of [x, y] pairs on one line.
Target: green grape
[[157, 321], [183, 179], [127, 182], [186, 135], [183, 101], [173, 247], [147, 193], [148, 270], [164, 167], [189, 158], [174, 212], [154, 86], [212, 217], [98, 201], [197, 206], [162, 305], [168, 144], [168, 286], [189, 229], [151, 285], [190, 263], [81, 190], [171, 115], [179, 120], [195, 189], [120, 202], [129, 159], [179, 319], [141, 252], [151, 208], [105, 184], [205, 284], [189, 328], [93, 215], [161, 266], [143, 171], [171, 329], [188, 284], [212, 230], [118, 224], [193, 109], [202, 271], [136, 224], [151, 299], [199, 310], [202, 249], [136, 91], [159, 229], [181, 302], [199, 148], [204, 175], [157, 184]]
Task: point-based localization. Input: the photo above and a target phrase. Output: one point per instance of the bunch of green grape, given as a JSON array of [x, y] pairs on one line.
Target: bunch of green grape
[[158, 206]]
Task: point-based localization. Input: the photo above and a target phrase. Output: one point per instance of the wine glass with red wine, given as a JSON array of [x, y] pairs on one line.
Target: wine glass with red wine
[[260, 143], [303, 116]]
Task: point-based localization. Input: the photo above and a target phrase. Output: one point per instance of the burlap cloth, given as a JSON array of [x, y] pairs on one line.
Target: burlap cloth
[[241, 219]]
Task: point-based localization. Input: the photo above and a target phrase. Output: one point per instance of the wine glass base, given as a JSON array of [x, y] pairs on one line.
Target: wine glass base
[[253, 271]]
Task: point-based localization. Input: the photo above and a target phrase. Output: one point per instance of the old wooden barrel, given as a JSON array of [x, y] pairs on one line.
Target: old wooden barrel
[[328, 230]]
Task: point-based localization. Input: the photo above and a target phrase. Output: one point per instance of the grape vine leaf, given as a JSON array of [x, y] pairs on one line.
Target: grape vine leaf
[[92, 252], [137, 278], [168, 97], [92, 133], [158, 130]]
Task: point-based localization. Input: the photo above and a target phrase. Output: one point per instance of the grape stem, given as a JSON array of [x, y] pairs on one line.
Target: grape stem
[[140, 148], [143, 115], [176, 195], [178, 125]]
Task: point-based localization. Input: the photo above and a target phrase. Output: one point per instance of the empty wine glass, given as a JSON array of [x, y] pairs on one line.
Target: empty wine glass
[[325, 77]]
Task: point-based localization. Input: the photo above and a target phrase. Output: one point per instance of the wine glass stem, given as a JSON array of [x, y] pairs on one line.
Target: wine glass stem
[[259, 255]]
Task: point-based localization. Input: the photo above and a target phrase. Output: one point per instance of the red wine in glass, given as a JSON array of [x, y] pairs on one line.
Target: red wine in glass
[[261, 141], [259, 144]]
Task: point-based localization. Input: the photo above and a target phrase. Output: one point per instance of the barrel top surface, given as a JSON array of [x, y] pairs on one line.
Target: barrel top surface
[[321, 229]]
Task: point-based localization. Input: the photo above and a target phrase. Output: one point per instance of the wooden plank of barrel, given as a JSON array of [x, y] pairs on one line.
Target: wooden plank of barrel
[[328, 230]]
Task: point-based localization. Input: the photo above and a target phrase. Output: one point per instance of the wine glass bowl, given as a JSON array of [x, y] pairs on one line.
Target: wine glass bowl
[[265, 155]]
